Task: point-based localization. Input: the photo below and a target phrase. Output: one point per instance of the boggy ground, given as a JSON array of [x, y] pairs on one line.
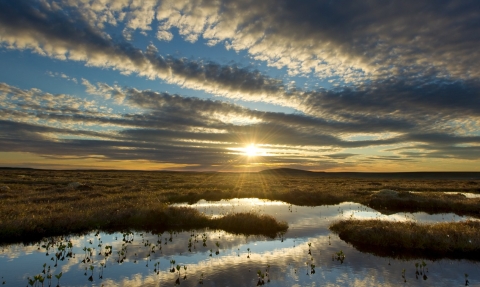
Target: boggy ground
[[154, 217], [42, 202], [412, 240]]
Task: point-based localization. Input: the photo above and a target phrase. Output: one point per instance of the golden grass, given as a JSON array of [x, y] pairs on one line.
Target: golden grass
[[410, 239], [431, 202], [251, 223], [156, 219], [41, 202]]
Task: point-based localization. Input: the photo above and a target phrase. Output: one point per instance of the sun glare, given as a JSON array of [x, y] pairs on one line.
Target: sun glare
[[251, 150]]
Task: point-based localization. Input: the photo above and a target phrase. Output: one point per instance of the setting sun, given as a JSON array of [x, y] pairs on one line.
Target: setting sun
[[251, 150]]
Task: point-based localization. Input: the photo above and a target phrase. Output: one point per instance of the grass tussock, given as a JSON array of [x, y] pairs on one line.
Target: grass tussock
[[159, 218], [251, 223], [412, 240], [431, 202]]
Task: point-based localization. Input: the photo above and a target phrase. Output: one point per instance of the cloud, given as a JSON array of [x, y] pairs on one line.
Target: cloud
[[405, 81], [425, 101], [335, 38], [185, 130], [35, 98], [53, 33], [421, 106], [141, 14], [163, 35], [62, 75], [341, 155], [105, 90], [432, 151]]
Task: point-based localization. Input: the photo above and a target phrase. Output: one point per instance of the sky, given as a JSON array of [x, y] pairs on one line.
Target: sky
[[244, 85]]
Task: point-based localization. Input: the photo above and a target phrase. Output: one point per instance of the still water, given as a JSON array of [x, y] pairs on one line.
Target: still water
[[306, 255]]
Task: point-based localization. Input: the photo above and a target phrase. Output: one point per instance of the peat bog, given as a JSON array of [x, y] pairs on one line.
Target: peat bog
[[58, 206]]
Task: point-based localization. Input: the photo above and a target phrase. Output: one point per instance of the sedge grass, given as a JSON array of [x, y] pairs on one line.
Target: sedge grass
[[412, 240], [42, 202], [251, 223], [156, 219]]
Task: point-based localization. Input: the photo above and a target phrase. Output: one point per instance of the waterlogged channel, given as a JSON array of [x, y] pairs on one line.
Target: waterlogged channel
[[308, 254]]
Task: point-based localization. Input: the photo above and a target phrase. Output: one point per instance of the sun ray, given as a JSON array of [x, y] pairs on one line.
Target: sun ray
[[251, 150]]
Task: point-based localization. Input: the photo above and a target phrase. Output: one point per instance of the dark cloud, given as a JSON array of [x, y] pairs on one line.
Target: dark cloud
[[20, 137], [441, 139], [442, 152], [173, 128], [352, 40], [173, 105], [388, 158], [341, 155], [401, 97], [400, 37]]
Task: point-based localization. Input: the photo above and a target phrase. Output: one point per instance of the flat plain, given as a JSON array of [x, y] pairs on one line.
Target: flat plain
[[40, 203]]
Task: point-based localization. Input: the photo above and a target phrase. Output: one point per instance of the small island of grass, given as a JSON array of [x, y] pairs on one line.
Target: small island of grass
[[157, 219], [412, 240]]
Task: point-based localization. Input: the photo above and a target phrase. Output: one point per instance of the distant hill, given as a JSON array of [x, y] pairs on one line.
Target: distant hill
[[419, 175]]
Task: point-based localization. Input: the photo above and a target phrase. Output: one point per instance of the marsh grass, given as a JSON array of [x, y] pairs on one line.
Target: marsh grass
[[431, 202], [155, 219], [251, 223], [412, 240], [41, 202]]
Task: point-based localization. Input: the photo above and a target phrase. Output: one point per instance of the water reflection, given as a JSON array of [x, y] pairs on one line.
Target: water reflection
[[306, 255], [301, 217]]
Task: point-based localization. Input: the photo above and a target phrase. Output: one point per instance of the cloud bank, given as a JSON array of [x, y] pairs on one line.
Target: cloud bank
[[405, 74], [192, 131]]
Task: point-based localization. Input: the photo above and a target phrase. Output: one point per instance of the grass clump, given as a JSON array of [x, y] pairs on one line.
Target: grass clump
[[154, 218], [251, 223], [412, 240], [431, 202]]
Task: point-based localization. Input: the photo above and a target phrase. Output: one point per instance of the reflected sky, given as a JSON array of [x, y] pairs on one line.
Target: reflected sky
[[143, 259], [304, 217]]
